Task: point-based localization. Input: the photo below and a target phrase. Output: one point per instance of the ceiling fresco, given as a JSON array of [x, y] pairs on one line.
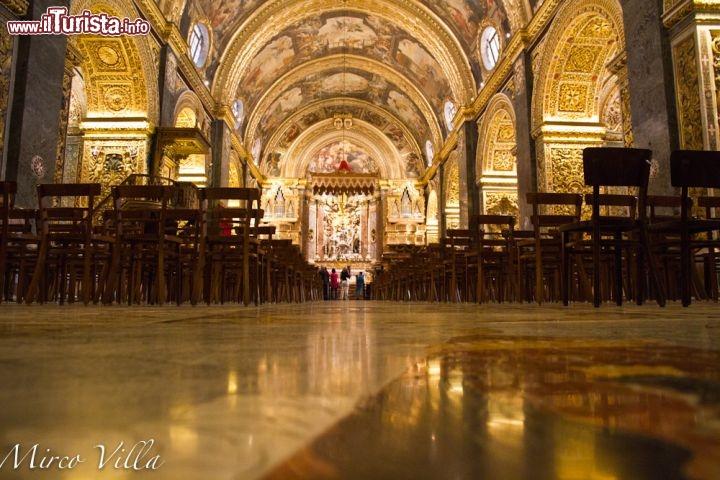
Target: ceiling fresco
[[395, 64]]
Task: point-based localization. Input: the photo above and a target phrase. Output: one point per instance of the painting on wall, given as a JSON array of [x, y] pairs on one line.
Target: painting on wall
[[342, 156]]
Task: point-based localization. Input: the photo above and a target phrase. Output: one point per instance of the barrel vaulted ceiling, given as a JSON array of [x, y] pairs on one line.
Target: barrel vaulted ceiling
[[291, 66]]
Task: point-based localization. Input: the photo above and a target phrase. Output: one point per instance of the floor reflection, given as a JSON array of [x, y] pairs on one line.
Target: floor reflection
[[532, 408]]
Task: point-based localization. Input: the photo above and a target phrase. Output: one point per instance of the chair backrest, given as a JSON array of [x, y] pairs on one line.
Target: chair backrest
[[552, 209], [617, 167], [663, 207], [67, 207], [231, 210], [141, 208], [493, 230], [7, 190], [693, 168]]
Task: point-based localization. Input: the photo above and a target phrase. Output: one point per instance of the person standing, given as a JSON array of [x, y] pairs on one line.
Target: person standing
[[325, 277], [360, 286], [334, 284], [345, 283]]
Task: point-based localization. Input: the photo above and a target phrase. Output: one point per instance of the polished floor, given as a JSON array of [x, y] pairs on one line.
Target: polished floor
[[360, 390]]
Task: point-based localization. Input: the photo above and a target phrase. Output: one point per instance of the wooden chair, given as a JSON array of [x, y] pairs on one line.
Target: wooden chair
[[616, 232], [146, 253], [18, 245], [495, 257], [540, 257], [665, 245], [230, 244], [70, 255], [460, 261], [711, 206], [697, 237]]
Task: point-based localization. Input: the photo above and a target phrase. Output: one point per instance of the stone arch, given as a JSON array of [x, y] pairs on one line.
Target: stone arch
[[496, 163], [298, 157], [571, 76], [187, 107], [115, 85], [189, 113], [585, 35]]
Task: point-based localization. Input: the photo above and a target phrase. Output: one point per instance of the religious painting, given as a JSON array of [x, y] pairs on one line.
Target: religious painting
[[346, 32], [342, 156], [225, 15], [429, 75], [269, 63], [343, 219], [315, 37], [404, 108], [344, 84]]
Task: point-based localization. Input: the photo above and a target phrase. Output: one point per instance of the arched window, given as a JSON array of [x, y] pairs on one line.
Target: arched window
[[490, 47], [199, 43]]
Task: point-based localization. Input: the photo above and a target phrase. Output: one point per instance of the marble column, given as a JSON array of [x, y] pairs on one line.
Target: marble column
[[37, 103], [650, 86], [467, 154], [524, 144], [220, 171]]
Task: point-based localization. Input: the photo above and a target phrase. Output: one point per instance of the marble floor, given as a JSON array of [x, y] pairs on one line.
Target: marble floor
[[360, 390]]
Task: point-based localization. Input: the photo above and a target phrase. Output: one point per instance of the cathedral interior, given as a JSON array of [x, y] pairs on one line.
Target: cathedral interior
[[368, 127]]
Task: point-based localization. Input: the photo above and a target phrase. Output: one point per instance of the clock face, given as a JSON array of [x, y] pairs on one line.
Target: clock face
[[107, 55]]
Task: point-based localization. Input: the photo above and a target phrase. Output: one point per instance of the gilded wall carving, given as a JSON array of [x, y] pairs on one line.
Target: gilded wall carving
[[612, 116], [501, 203], [711, 58], [120, 72], [570, 64], [109, 162], [688, 94], [63, 119], [6, 51], [452, 182], [566, 172], [573, 98]]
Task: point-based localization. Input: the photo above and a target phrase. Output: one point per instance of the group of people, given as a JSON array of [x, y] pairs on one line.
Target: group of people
[[337, 286]]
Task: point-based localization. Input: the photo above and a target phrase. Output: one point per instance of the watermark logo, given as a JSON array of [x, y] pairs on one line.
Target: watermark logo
[[56, 21]]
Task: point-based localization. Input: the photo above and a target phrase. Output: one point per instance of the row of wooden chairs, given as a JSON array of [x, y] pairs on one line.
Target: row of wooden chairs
[[147, 248], [614, 244]]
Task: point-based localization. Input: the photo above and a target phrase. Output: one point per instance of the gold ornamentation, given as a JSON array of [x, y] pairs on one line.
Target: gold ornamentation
[[117, 98], [452, 181], [107, 55], [573, 97], [503, 161], [109, 162], [582, 58], [6, 48], [567, 77], [566, 170], [501, 203], [688, 95], [18, 7]]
